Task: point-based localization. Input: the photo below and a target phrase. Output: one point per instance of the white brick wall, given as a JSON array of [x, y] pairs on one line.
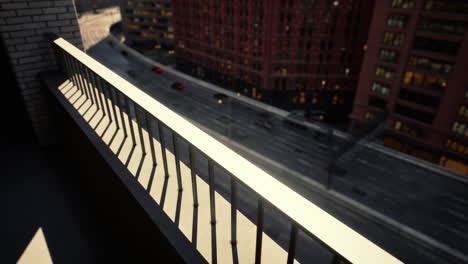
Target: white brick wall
[[22, 24]]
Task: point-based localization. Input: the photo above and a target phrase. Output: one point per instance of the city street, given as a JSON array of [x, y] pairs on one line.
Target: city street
[[95, 27], [375, 187]]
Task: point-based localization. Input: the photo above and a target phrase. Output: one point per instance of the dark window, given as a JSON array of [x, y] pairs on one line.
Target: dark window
[[414, 114], [436, 45], [377, 102], [419, 98]]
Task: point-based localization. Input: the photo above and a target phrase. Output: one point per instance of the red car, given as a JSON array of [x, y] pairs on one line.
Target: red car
[[157, 70], [177, 86]]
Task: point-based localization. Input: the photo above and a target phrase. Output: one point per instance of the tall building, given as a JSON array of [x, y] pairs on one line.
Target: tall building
[[416, 68], [300, 55], [147, 23]]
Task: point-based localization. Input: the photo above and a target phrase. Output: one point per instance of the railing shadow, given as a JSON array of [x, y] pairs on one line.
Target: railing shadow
[[164, 192], [178, 208], [214, 244]]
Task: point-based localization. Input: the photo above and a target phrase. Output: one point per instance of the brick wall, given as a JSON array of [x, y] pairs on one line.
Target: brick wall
[[22, 24]]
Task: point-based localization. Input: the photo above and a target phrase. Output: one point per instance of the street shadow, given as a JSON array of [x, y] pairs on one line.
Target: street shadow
[[130, 155], [105, 129], [116, 131], [164, 192], [151, 179], [140, 166], [195, 226]]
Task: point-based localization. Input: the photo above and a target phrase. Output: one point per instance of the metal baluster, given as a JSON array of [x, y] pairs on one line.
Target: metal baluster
[[129, 118], [258, 244], [100, 86], [177, 161], [149, 128], [140, 131], [85, 82], [112, 99], [92, 86], [118, 96], [212, 191], [233, 210], [78, 80], [193, 174], [163, 147], [69, 70], [292, 243]]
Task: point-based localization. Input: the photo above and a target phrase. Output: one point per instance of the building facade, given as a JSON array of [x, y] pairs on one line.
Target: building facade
[[147, 23], [299, 55], [415, 68]]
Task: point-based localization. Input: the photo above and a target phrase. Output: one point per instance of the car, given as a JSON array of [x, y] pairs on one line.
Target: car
[[157, 70], [177, 86], [124, 53]]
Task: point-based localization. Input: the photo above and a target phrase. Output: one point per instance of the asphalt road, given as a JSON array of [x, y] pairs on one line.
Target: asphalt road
[[413, 196]]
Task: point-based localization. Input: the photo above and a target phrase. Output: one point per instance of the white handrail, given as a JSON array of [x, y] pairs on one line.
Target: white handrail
[[341, 238]]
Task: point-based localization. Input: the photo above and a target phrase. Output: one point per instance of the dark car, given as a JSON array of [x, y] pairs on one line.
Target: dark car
[[157, 70], [124, 53], [177, 86]]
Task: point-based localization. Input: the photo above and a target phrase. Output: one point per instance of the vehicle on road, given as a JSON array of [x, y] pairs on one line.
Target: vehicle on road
[[177, 86], [156, 70], [124, 53]]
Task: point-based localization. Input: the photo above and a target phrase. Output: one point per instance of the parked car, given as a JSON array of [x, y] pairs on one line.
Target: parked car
[[177, 86]]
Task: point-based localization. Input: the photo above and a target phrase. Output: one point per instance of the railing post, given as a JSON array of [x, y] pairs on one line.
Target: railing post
[[150, 138], [233, 211], [259, 238], [129, 118], [177, 162], [292, 243], [114, 104], [163, 148], [140, 131], [193, 175], [118, 96], [212, 191]]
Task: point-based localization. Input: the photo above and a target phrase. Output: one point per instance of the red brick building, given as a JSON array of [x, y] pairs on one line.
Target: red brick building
[[416, 67], [297, 54]]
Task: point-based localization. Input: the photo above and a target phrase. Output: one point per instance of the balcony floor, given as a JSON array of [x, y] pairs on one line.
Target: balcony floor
[[35, 203]]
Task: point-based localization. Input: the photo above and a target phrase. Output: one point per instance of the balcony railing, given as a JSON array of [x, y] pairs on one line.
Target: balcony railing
[[155, 134]]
